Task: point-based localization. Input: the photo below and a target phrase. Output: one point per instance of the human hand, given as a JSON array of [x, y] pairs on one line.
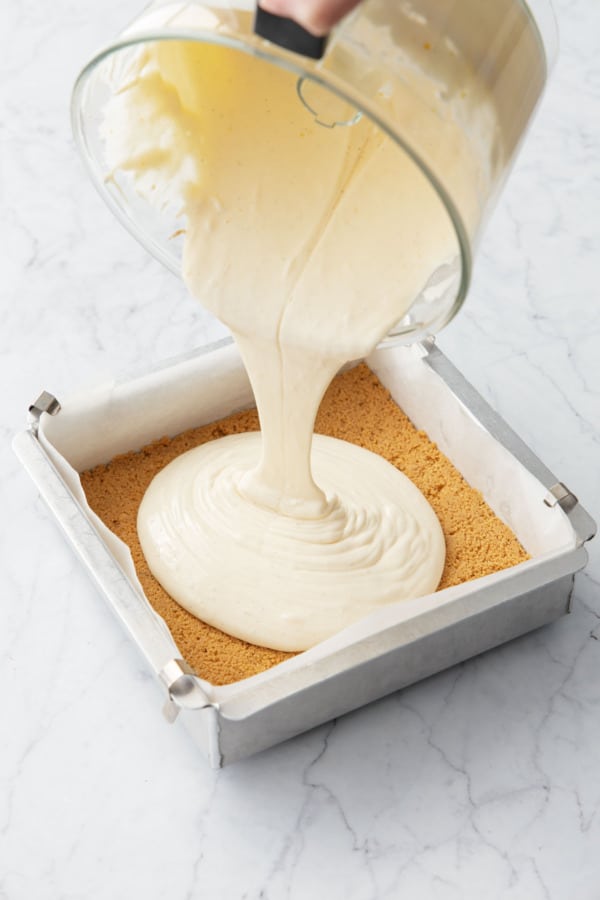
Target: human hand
[[317, 16]]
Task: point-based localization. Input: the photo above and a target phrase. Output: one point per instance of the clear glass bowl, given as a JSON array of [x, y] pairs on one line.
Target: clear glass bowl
[[453, 83]]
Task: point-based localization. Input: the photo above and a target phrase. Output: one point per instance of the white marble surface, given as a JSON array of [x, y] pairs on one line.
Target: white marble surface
[[483, 782]]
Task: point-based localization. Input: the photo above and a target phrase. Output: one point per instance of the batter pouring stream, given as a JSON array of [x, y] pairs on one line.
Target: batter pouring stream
[[309, 243]]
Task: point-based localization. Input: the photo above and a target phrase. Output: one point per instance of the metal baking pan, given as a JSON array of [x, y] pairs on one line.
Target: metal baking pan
[[390, 649]]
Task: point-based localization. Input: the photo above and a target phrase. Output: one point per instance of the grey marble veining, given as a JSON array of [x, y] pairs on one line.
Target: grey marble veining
[[483, 782]]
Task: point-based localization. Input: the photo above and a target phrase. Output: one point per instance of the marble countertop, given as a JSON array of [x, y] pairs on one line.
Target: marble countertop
[[480, 783]]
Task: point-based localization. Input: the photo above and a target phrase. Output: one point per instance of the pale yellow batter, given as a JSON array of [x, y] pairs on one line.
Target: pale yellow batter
[[309, 243]]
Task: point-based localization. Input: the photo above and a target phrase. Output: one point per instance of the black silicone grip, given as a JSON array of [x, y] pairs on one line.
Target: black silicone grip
[[288, 34]]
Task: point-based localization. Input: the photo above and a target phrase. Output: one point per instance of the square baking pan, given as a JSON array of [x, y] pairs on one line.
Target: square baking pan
[[388, 650]]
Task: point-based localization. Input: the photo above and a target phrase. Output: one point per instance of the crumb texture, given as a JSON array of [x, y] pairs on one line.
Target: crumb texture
[[356, 408]]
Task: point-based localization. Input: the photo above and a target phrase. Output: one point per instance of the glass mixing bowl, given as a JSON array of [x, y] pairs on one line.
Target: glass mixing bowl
[[453, 83]]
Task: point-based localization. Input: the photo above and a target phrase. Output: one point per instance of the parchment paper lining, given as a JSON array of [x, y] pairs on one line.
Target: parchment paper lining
[[95, 425]]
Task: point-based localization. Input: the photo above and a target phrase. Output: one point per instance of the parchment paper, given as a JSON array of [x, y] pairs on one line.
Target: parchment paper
[[96, 424]]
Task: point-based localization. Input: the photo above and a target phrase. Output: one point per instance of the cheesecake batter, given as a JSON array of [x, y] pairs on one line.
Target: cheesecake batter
[[309, 243]]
